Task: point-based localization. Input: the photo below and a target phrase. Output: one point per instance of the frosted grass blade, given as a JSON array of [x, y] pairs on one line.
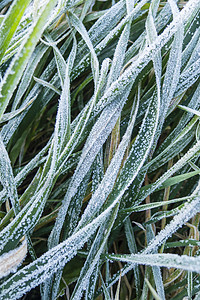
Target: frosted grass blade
[[84, 118], [139, 151], [24, 221], [93, 144], [180, 163], [48, 85], [8, 116], [51, 286], [133, 249], [110, 176], [30, 214], [190, 110], [98, 31], [64, 110], [98, 171], [195, 55], [61, 64], [7, 178], [169, 147], [81, 29], [28, 73], [187, 212], [156, 270], [182, 126], [95, 252], [157, 59], [10, 23], [15, 71], [189, 48], [148, 206], [35, 162], [11, 260], [174, 63], [89, 294], [133, 164], [63, 119], [188, 77], [41, 269], [119, 55], [110, 36], [162, 260]]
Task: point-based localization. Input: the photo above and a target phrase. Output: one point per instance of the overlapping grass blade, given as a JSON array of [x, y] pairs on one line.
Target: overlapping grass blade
[[10, 23], [15, 71], [167, 260], [116, 137]]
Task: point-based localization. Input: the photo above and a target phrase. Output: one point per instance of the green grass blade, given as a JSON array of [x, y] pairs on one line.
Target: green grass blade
[[188, 211], [7, 178], [95, 252], [167, 260], [41, 269], [81, 29], [143, 207], [133, 249], [15, 71], [48, 85], [10, 23], [110, 176]]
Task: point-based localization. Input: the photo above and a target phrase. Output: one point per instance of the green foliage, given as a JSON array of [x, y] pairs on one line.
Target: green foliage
[[99, 160]]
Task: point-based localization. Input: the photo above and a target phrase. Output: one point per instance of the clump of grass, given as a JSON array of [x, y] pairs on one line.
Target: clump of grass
[[99, 160]]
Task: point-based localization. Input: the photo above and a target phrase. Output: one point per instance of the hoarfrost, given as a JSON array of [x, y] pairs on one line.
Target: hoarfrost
[[12, 259], [180, 163], [186, 213], [163, 260], [188, 77], [7, 177], [109, 178], [96, 139], [52, 261]]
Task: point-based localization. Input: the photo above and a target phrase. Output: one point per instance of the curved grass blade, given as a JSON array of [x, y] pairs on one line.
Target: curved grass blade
[[110, 36], [82, 122], [110, 176], [7, 178], [119, 53], [180, 163], [95, 252], [38, 53], [8, 116], [148, 206], [11, 260], [53, 260], [10, 23], [81, 29], [15, 71], [133, 249], [163, 260], [36, 161], [187, 212], [155, 269], [48, 85]]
